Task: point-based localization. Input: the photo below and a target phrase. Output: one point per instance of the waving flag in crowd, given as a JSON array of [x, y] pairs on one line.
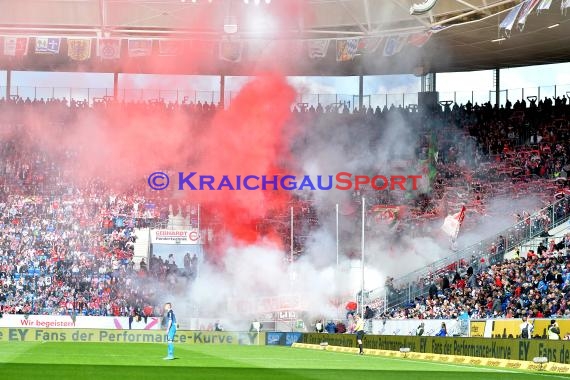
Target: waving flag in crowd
[[452, 223]]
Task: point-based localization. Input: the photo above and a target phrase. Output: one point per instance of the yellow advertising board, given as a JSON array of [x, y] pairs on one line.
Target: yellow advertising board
[[510, 328], [124, 336], [477, 329], [557, 351]]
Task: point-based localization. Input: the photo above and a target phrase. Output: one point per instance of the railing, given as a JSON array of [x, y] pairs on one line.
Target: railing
[[351, 100], [479, 255]]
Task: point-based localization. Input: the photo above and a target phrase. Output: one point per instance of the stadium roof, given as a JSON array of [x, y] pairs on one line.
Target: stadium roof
[[465, 32]]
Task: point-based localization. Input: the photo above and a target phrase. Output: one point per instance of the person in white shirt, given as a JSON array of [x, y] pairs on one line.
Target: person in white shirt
[[527, 328]]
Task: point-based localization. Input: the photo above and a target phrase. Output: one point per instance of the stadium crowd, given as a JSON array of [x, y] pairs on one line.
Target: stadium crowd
[[537, 286], [67, 248]]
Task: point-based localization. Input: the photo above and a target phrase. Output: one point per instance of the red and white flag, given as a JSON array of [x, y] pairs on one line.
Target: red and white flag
[[452, 223], [419, 39], [15, 46], [369, 45]]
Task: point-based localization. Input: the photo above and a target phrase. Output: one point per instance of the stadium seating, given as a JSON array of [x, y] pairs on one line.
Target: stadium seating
[[65, 248]]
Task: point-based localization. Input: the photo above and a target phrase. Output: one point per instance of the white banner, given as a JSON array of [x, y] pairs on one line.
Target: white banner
[[81, 322], [408, 327], [175, 237]]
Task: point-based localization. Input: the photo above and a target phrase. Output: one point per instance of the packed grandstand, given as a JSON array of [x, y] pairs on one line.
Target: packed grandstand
[[66, 246]]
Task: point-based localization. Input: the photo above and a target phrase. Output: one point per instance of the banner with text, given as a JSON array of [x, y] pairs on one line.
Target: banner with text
[[79, 322], [515, 349], [175, 237], [409, 327], [127, 336]]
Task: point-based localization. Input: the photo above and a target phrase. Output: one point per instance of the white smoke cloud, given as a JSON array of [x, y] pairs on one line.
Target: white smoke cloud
[[255, 276]]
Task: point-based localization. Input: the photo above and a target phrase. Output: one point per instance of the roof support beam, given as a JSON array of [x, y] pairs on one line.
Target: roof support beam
[[353, 17], [494, 5], [103, 15], [367, 14], [418, 19], [468, 5]]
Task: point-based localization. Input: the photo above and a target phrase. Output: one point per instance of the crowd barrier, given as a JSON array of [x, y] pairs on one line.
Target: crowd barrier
[[40, 335], [488, 328], [409, 326], [276, 338], [510, 328]]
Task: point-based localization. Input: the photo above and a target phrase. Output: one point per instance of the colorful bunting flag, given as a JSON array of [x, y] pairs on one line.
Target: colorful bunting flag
[[419, 39], [15, 46], [109, 48], [47, 45], [394, 45], [79, 49], [318, 48], [368, 45], [346, 49], [139, 47]]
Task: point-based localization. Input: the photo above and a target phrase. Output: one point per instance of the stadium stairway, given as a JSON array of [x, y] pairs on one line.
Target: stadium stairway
[[142, 245], [557, 234]]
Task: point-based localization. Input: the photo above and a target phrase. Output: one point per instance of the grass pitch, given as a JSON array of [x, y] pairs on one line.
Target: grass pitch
[[145, 361]]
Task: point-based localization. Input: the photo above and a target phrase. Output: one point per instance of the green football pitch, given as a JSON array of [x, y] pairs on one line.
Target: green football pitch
[[145, 361]]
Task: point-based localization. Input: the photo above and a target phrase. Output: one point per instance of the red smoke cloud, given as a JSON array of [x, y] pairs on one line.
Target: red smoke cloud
[[121, 145], [249, 139]]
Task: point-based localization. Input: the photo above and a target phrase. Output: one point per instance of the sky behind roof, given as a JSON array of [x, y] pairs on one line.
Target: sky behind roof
[[460, 86]]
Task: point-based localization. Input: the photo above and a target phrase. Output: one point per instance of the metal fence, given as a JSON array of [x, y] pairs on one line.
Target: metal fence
[[308, 100], [480, 255]]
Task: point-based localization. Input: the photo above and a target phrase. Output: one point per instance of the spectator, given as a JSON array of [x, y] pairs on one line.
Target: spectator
[[319, 326], [553, 330], [442, 331], [420, 329], [330, 327], [526, 328]]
